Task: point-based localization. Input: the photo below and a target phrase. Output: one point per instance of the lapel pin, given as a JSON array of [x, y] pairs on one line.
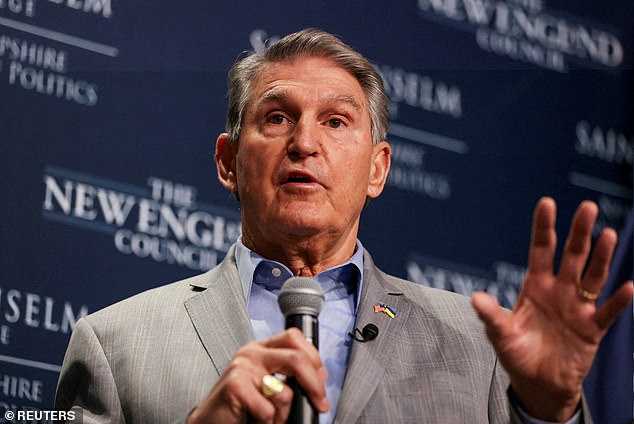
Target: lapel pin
[[382, 307]]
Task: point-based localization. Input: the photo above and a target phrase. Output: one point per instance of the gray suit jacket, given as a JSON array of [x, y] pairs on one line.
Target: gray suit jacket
[[153, 357]]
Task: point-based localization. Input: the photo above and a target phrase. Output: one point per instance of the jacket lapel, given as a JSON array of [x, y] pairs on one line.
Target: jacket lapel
[[368, 360], [223, 326], [222, 323]]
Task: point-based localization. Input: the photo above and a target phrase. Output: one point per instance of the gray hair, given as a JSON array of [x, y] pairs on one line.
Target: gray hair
[[310, 42]]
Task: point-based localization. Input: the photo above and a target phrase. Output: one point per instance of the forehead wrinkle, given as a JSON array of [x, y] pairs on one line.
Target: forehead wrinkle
[[283, 97]]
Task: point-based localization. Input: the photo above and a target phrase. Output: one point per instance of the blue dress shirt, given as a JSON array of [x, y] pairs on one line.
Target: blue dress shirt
[[262, 280]]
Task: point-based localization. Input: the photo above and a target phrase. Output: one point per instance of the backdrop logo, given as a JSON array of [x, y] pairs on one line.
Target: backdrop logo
[[420, 91], [408, 172], [504, 282], [525, 30], [28, 7], [609, 145], [93, 7], [31, 310], [612, 147], [34, 66], [162, 221]]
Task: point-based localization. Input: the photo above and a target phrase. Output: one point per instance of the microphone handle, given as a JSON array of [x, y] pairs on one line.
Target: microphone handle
[[302, 412], [307, 324]]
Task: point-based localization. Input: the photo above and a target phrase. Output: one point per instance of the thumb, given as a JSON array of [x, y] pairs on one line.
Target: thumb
[[495, 319]]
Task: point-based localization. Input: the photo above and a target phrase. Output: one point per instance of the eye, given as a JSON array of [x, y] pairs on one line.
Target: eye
[[335, 123], [276, 118]]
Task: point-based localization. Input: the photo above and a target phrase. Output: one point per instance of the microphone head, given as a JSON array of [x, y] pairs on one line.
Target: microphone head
[[301, 296]]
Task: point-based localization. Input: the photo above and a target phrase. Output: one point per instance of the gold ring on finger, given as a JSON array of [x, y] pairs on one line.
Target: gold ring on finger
[[271, 385], [588, 295]]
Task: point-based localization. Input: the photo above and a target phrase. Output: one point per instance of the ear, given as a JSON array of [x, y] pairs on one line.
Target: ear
[[225, 163], [379, 168]]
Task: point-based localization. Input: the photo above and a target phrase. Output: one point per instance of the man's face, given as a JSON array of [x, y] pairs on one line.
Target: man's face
[[305, 161]]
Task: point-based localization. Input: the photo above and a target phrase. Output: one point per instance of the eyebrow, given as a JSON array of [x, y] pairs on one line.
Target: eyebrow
[[282, 96], [272, 96], [345, 98]]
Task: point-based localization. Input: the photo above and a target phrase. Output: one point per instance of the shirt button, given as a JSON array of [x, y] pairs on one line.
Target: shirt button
[[276, 272]]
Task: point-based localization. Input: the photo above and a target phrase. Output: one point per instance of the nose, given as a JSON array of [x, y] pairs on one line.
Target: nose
[[304, 139]]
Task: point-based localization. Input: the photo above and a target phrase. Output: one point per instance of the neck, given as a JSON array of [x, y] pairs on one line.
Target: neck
[[305, 256]]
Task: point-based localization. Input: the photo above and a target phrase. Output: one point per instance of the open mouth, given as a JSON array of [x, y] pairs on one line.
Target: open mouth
[[299, 177], [299, 180]]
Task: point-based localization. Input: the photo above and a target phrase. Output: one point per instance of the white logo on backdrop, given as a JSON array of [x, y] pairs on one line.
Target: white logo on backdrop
[[525, 30], [163, 221], [504, 282]]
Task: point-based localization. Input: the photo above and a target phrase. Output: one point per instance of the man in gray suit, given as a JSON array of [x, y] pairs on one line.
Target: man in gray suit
[[304, 150]]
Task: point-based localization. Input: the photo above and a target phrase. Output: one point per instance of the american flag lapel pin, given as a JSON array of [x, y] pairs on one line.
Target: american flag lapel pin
[[382, 307]]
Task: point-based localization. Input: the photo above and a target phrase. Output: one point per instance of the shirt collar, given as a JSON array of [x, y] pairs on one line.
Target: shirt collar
[[251, 264]]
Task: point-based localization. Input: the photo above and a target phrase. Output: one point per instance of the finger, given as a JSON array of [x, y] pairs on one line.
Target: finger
[[543, 238], [282, 402], [597, 272], [285, 346], [235, 396], [289, 353], [262, 408], [614, 306], [293, 338], [577, 245], [295, 363], [258, 406], [494, 318]]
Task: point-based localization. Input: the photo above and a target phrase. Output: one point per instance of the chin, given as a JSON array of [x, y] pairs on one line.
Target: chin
[[303, 226], [303, 222]]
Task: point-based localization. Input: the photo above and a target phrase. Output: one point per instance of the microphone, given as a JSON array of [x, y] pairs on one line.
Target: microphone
[[369, 332], [301, 300]]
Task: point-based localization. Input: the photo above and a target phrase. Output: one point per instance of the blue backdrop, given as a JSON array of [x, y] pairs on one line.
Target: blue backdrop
[[109, 112]]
